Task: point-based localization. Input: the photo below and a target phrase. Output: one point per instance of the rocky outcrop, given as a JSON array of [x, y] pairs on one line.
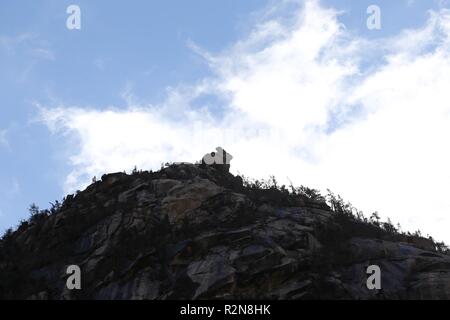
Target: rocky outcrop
[[196, 232]]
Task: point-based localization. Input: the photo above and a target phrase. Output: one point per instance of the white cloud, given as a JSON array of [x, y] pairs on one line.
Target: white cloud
[[297, 103]]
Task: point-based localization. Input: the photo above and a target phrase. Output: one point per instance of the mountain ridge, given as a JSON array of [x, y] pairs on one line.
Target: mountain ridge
[[195, 231]]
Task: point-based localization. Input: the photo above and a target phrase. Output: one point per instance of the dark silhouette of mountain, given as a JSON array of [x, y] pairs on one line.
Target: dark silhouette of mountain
[[195, 231]]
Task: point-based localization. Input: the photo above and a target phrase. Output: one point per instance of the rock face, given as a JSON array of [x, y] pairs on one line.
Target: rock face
[[195, 232]]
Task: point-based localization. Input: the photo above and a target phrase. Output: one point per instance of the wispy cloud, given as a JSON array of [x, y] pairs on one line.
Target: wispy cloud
[[292, 98], [42, 53], [3, 140], [10, 43], [29, 42], [10, 188], [29, 49], [100, 63]]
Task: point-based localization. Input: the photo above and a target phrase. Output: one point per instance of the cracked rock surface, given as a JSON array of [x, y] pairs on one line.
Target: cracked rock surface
[[195, 232]]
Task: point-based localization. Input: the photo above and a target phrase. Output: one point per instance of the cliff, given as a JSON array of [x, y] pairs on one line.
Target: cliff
[[198, 232]]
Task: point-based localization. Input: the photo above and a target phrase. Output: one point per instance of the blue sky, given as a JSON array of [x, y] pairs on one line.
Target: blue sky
[[63, 90], [120, 46]]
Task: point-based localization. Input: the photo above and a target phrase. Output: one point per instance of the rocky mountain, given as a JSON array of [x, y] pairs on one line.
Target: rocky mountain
[[195, 231]]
